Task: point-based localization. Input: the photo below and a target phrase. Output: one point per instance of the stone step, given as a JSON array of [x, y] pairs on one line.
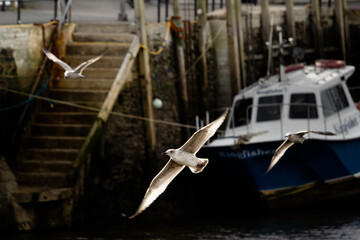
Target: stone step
[[65, 117], [102, 73], [73, 106], [60, 166], [112, 49], [83, 83], [106, 28], [41, 194], [55, 142], [78, 94], [102, 37], [45, 129], [55, 180], [104, 62], [49, 154]]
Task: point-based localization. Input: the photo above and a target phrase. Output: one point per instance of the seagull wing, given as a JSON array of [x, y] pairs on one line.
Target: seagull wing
[[323, 132], [279, 152], [159, 184], [198, 139], [53, 58], [79, 69]]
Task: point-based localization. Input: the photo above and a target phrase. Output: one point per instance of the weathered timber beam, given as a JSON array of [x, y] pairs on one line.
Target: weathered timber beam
[[145, 75], [120, 80]]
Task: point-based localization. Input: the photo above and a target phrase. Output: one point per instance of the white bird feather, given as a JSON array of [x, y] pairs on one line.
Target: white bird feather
[[179, 158]]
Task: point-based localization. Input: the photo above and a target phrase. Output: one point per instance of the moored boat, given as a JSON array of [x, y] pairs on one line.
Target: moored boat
[[298, 98]]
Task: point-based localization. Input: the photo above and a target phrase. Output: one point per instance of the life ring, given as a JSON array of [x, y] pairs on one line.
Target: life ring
[[291, 68], [358, 105], [330, 63]]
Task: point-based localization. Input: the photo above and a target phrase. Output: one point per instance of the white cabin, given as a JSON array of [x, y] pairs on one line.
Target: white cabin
[[309, 98]]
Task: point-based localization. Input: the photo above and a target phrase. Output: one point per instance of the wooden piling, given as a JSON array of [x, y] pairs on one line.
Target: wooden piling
[[182, 72], [240, 39], [265, 19], [317, 30], [201, 13], [290, 22], [145, 75], [233, 47], [340, 21]]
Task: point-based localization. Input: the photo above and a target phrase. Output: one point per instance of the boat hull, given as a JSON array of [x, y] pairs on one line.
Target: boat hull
[[314, 171]]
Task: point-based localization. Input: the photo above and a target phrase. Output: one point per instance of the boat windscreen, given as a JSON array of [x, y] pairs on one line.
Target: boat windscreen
[[269, 108]]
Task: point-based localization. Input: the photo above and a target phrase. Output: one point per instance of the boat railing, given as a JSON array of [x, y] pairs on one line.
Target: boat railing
[[283, 119]]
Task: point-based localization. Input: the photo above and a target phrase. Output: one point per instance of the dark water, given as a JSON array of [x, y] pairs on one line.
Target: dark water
[[329, 223]]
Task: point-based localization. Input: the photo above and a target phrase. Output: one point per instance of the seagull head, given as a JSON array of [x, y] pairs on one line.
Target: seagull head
[[169, 152]]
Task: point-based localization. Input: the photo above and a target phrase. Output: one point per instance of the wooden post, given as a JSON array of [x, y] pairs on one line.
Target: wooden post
[[240, 44], [315, 15], [233, 47], [290, 19], [347, 31], [340, 20], [201, 13], [265, 19], [181, 67], [145, 75]]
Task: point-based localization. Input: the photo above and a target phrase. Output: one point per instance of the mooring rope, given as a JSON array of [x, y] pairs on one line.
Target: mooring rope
[[125, 115], [31, 97], [163, 44]]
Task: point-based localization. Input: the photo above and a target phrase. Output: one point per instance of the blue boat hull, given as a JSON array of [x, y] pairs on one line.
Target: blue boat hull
[[314, 171]]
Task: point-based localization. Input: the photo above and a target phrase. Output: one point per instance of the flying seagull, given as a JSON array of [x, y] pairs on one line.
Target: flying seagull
[[69, 72], [179, 158], [245, 138], [290, 139]]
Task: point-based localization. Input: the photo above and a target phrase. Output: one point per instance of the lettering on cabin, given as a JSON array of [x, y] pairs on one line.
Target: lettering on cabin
[[347, 124], [246, 154], [270, 91]]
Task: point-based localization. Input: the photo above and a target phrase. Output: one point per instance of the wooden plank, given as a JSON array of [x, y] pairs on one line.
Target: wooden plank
[[120, 80], [55, 194]]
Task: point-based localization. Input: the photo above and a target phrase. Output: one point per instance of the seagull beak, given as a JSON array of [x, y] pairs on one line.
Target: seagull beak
[[164, 153]]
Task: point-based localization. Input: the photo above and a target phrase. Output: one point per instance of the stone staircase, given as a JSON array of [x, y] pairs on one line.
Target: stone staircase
[[57, 134]]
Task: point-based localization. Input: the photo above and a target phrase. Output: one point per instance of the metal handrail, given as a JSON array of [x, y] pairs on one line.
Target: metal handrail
[[20, 2], [309, 105], [62, 19]]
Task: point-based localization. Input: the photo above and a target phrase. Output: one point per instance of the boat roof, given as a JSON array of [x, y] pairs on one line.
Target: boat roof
[[305, 78]]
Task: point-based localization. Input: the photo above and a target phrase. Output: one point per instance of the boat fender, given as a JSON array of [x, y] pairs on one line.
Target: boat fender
[[291, 68], [330, 63]]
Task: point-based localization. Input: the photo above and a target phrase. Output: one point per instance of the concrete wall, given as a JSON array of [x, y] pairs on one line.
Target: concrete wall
[[24, 42]]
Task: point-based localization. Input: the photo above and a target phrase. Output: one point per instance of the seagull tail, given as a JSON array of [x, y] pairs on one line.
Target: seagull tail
[[202, 164]]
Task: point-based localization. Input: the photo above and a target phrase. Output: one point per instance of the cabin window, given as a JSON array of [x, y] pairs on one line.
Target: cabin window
[[333, 100], [269, 108], [303, 105], [241, 111]]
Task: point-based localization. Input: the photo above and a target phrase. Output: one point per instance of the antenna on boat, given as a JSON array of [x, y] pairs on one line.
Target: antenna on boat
[[269, 45], [281, 51]]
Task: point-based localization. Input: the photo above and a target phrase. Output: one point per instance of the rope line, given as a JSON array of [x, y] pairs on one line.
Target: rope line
[[31, 97], [131, 116]]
